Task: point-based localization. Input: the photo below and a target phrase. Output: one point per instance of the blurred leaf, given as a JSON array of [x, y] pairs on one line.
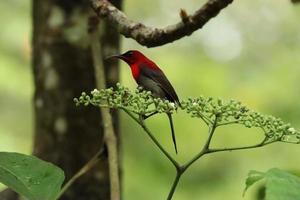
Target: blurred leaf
[[253, 177], [29, 176], [280, 185]]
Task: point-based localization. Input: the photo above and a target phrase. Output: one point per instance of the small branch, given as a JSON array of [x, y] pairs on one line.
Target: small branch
[[184, 167], [228, 123], [158, 144], [261, 144], [206, 120], [205, 148], [82, 171], [175, 183], [211, 132], [152, 37], [152, 137], [109, 134]]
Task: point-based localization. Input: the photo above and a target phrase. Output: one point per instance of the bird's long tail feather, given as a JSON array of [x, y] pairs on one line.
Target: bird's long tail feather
[[173, 132]]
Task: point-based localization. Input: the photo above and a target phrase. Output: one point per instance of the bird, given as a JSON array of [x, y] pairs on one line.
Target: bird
[[151, 78]]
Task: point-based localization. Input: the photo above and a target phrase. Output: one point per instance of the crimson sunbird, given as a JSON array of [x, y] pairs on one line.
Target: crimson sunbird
[[150, 77]]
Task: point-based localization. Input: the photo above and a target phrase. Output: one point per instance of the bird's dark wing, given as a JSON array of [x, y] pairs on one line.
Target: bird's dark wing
[[159, 77]]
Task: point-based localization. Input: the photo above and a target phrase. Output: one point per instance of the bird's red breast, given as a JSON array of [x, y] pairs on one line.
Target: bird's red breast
[[136, 67], [135, 70]]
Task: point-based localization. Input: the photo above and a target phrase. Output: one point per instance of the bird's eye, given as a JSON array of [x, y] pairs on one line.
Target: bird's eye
[[129, 53]]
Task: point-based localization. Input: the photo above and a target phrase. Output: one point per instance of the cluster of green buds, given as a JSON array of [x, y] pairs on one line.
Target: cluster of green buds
[[210, 110], [234, 112], [139, 102]]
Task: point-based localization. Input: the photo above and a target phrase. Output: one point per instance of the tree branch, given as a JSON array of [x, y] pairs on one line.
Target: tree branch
[[152, 37], [295, 1], [109, 135]]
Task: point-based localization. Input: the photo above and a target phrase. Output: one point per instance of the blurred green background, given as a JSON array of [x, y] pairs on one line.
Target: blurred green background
[[249, 52]]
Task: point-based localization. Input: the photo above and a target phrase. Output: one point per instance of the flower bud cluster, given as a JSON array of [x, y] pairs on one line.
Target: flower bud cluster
[[225, 112], [140, 101], [234, 112]]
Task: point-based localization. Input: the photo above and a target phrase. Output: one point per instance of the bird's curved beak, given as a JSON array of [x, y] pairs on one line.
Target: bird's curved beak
[[115, 56]]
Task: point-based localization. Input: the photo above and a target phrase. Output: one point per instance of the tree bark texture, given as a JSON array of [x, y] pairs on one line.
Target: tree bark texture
[[151, 36], [66, 135]]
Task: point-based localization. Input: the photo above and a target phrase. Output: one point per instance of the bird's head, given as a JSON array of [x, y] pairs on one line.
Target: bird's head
[[131, 57]]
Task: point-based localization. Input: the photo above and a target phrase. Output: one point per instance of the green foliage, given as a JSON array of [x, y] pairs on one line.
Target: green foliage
[[29, 176], [280, 185], [234, 112], [141, 102]]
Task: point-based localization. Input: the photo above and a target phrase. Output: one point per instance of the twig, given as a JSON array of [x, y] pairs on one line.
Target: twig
[[228, 123], [82, 171], [152, 37], [211, 132], [152, 137], [206, 120], [109, 134], [175, 183], [205, 148], [261, 144]]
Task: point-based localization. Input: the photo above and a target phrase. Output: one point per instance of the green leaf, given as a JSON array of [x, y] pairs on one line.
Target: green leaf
[[29, 176], [253, 177], [280, 185]]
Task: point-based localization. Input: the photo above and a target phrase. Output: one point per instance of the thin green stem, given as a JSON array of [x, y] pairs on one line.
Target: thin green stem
[[206, 120], [175, 183], [261, 144], [140, 121], [183, 168], [175, 163], [92, 162], [211, 132], [205, 148], [228, 123], [151, 111]]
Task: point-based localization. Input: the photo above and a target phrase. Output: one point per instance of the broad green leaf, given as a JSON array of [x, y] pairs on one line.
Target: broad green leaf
[[29, 176], [280, 185]]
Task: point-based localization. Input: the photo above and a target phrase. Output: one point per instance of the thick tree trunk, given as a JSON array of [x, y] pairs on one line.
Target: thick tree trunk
[[62, 67]]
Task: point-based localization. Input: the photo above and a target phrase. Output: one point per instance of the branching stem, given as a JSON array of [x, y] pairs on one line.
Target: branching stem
[[261, 144], [140, 121], [180, 169], [205, 148]]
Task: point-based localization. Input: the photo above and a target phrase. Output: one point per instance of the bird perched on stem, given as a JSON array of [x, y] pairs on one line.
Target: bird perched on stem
[[150, 77]]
